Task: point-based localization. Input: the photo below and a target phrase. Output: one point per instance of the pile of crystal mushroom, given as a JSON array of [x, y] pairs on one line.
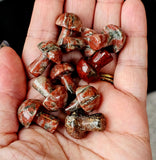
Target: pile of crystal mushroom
[[60, 87]]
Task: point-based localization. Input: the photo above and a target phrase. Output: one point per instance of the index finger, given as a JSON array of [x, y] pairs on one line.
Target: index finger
[[42, 27]]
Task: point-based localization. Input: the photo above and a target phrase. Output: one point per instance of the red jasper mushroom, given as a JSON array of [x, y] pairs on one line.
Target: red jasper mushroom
[[87, 98], [63, 72]]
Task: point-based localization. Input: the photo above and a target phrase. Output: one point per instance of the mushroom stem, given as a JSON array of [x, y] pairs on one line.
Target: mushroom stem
[[68, 82], [56, 96], [72, 43], [63, 72], [43, 86], [94, 122], [66, 33], [74, 105], [46, 121], [78, 125]]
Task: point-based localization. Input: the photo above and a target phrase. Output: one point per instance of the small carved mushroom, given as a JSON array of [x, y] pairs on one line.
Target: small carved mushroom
[[117, 37], [56, 96], [112, 35], [70, 21], [46, 121], [87, 98], [88, 70], [86, 33], [43, 85], [53, 51], [27, 111], [73, 43], [63, 72], [57, 99], [50, 51], [71, 26], [77, 126]]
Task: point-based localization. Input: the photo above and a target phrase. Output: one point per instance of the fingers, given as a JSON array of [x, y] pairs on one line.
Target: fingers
[[84, 9], [42, 27], [107, 12], [131, 70], [12, 92]]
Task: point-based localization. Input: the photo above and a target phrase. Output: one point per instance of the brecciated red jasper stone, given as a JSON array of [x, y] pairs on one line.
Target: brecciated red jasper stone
[[116, 37], [72, 43], [88, 97], [88, 52], [58, 70], [28, 110], [70, 21], [73, 126], [68, 82], [46, 121], [100, 59], [38, 66], [66, 33], [77, 125], [86, 32], [63, 72], [43, 85], [93, 122], [98, 41], [53, 51], [85, 71], [57, 99]]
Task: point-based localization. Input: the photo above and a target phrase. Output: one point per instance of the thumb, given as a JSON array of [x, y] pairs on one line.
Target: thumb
[[12, 92]]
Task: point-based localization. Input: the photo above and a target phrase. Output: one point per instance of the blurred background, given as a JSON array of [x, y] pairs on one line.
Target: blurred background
[[14, 21]]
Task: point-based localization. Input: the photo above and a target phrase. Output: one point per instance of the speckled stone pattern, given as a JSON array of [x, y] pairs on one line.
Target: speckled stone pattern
[[151, 111]]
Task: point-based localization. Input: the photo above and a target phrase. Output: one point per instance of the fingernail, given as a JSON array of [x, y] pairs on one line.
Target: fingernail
[[4, 43]]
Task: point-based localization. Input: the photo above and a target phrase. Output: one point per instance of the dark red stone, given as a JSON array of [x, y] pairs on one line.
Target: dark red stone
[[73, 43], [46, 121], [53, 51], [100, 59], [38, 66], [57, 99], [27, 111], [85, 71], [70, 21]]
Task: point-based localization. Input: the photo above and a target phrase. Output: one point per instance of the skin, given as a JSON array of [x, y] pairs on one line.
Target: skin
[[124, 103]]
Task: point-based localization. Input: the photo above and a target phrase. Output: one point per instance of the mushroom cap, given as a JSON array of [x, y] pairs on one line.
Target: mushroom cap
[[28, 110], [57, 99], [73, 128], [51, 50], [85, 71], [60, 69], [88, 97], [117, 37], [70, 21], [43, 85]]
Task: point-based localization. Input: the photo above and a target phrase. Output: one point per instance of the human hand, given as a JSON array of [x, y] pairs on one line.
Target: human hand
[[123, 104]]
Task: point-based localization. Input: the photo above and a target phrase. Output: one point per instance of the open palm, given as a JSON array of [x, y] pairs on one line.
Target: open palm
[[124, 104]]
